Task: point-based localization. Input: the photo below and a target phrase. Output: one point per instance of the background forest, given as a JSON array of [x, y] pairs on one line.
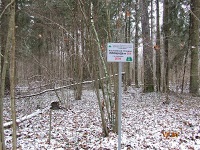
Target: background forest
[[56, 45]]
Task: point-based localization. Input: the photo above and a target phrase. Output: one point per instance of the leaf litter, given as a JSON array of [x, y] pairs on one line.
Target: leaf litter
[[147, 124]]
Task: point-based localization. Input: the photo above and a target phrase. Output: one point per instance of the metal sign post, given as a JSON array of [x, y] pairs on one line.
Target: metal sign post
[[119, 106], [120, 52]]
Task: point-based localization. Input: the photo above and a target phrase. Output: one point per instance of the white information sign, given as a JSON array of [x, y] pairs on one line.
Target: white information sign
[[120, 52]]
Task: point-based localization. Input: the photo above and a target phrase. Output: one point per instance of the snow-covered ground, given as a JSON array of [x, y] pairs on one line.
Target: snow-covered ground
[[147, 124]]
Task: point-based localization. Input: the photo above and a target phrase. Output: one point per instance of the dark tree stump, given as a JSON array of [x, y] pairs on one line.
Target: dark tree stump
[[55, 106]]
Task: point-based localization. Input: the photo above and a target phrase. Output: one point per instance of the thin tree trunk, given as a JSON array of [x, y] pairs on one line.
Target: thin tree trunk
[[151, 38], [12, 75], [108, 99], [166, 48], [5, 5], [136, 41], [184, 70], [127, 40], [8, 47], [157, 48]]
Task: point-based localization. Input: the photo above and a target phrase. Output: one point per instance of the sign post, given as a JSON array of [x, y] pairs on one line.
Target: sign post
[[120, 52], [119, 105]]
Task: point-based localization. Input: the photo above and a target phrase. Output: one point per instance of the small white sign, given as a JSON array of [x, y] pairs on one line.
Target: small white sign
[[120, 52]]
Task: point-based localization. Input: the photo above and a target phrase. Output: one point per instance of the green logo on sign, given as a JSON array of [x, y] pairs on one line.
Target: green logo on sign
[[129, 59]]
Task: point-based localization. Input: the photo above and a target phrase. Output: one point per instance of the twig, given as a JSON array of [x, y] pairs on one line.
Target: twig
[[6, 8]]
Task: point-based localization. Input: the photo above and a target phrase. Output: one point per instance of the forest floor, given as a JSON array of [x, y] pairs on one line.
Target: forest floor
[[147, 123]]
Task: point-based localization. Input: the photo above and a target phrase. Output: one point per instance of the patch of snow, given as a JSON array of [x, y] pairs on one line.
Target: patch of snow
[[144, 118]]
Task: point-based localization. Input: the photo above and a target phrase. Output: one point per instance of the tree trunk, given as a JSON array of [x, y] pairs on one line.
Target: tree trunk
[[107, 89], [147, 49], [157, 47], [194, 46], [3, 34], [127, 40], [184, 70], [7, 40], [12, 74], [166, 43], [136, 41], [78, 66]]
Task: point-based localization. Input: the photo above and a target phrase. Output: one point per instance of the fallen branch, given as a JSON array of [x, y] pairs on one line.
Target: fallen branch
[[55, 89], [9, 124]]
